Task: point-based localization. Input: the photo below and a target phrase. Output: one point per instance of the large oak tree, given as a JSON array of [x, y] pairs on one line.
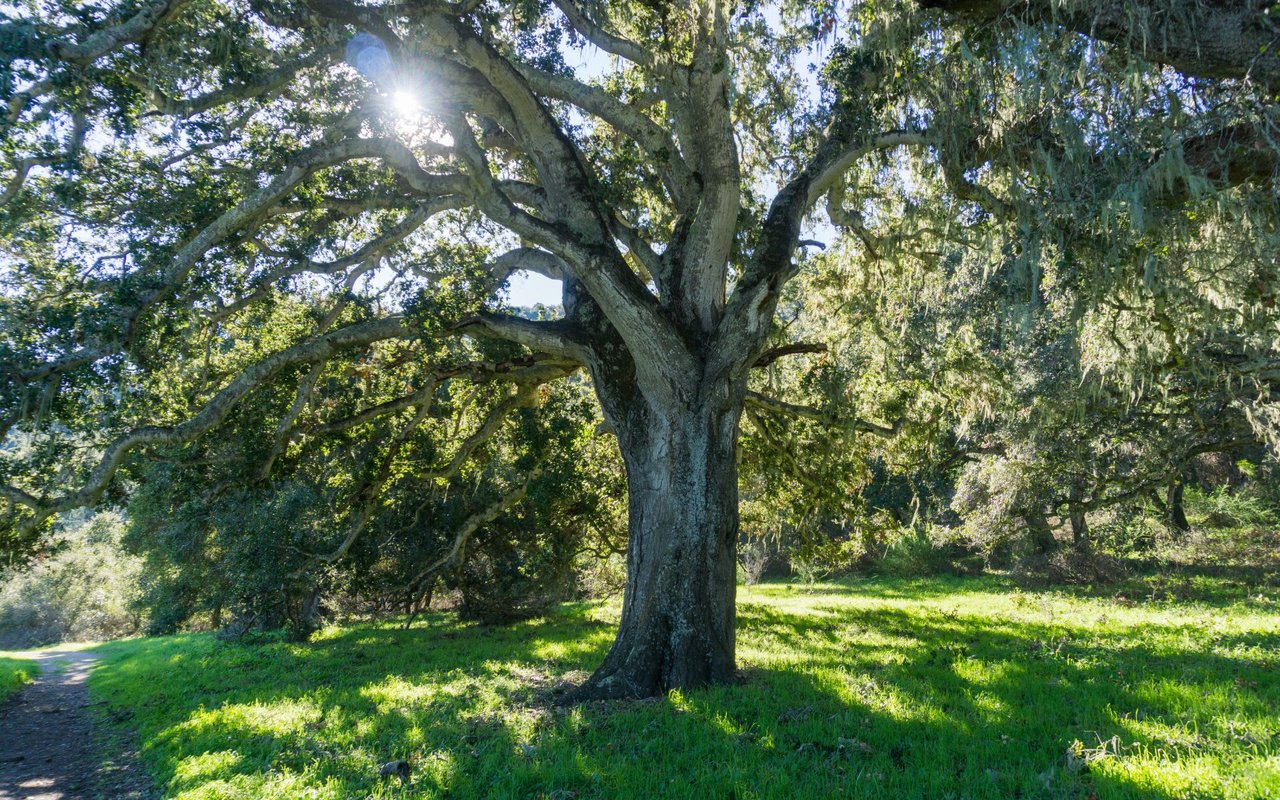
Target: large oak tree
[[176, 164]]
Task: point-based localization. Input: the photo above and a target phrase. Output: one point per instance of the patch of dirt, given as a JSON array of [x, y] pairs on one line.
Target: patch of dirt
[[51, 750]]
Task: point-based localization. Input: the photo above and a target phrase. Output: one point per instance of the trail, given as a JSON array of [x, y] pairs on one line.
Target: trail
[[49, 749]]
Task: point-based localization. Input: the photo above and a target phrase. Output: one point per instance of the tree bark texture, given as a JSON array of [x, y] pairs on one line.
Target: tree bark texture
[[678, 614], [1175, 511]]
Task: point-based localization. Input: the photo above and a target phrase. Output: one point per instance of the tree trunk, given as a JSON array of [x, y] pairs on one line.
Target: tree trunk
[[1041, 534], [1175, 512], [305, 622], [678, 615], [1079, 523]]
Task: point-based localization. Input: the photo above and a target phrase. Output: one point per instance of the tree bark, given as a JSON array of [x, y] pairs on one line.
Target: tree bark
[[678, 614], [1042, 538], [1079, 522], [1175, 512]]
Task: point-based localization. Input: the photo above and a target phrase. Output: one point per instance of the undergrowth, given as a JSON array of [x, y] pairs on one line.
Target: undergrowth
[[14, 674]]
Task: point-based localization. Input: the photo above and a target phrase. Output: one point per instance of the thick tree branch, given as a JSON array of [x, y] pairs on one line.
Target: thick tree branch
[[553, 336], [211, 415], [774, 353], [1223, 39], [367, 252], [652, 138], [633, 311], [573, 224], [700, 267], [828, 168], [259, 203], [601, 38], [647, 261], [269, 84], [774, 406], [101, 42], [528, 259], [525, 371], [749, 312], [23, 167]]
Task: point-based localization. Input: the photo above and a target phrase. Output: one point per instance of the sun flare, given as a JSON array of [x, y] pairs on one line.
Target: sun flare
[[406, 103]]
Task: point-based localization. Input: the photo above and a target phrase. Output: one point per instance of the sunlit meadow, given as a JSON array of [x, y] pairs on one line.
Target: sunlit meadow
[[879, 689]]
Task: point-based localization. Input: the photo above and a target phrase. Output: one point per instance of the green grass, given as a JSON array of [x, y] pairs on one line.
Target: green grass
[[884, 689], [14, 674]]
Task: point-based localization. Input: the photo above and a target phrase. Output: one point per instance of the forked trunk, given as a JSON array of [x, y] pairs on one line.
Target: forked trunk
[[677, 627]]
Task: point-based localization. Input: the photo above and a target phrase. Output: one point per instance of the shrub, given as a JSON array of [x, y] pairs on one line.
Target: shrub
[[14, 674], [600, 575], [1070, 566], [1223, 508], [920, 551], [754, 556], [86, 588]]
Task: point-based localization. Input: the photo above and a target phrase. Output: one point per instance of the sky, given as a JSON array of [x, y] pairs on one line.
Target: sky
[[530, 288]]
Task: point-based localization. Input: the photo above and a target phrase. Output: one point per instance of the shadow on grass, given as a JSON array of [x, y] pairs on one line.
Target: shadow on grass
[[890, 588], [872, 700]]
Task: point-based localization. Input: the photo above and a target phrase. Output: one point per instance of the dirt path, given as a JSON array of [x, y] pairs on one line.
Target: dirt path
[[49, 749]]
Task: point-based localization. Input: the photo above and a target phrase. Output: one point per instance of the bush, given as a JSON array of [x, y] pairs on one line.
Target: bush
[[85, 589], [754, 557], [14, 673], [920, 551], [1223, 508], [1072, 567], [599, 576]]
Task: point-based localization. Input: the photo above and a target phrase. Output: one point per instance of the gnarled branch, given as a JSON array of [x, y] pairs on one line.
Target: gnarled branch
[[775, 406], [210, 415]]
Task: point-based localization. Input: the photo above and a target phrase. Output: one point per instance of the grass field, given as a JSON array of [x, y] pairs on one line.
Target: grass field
[[885, 689], [14, 673]]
